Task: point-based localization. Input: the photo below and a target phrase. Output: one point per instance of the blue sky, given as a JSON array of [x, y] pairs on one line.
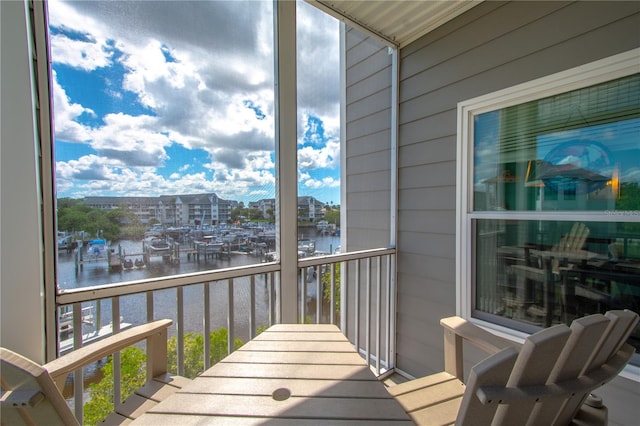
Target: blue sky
[[164, 97]]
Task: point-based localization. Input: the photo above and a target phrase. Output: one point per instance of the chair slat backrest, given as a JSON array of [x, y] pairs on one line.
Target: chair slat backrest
[[29, 395], [586, 332], [493, 371], [535, 363], [553, 373], [575, 239], [620, 324]]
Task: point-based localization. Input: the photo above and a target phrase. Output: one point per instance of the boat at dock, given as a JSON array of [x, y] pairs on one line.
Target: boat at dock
[[96, 252], [66, 241], [97, 248], [159, 245], [210, 248], [306, 247]]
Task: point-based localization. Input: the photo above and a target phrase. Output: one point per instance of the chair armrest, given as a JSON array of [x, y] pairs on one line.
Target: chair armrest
[[154, 332], [457, 330]]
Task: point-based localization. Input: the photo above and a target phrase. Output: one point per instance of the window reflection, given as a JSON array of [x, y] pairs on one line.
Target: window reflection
[[548, 272], [575, 152], [527, 159]]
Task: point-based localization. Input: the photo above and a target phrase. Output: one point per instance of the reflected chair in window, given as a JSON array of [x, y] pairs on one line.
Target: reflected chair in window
[[541, 277], [546, 381]]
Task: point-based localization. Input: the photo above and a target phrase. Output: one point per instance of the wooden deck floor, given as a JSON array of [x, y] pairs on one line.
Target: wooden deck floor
[[290, 374]]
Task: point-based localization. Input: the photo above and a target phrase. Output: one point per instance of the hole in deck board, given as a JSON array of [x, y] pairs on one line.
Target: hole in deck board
[[281, 394]]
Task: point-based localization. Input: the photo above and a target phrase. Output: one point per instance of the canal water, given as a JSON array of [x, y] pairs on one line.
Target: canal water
[[133, 308]]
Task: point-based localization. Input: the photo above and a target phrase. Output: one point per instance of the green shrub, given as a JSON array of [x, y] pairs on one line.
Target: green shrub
[[133, 362], [326, 288], [133, 368], [194, 351]]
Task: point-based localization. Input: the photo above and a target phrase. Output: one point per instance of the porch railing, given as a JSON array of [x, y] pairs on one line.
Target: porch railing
[[242, 300]]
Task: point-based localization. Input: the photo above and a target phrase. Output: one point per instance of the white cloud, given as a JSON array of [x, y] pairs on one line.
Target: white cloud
[[66, 14], [327, 182], [152, 77], [134, 140], [310, 158], [202, 74], [66, 114], [86, 55]]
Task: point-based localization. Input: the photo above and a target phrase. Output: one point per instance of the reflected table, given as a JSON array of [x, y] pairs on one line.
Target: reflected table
[[549, 273], [289, 374]]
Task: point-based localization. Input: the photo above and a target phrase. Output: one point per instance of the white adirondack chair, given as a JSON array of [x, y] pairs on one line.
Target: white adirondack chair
[[547, 381], [31, 394]]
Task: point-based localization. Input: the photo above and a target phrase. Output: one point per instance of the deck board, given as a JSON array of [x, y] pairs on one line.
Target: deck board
[[294, 407], [279, 357], [152, 419], [299, 387], [298, 346], [305, 328], [284, 336], [295, 371], [325, 380]]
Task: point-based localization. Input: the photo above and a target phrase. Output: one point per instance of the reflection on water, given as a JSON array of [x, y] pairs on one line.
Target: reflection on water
[[133, 307]]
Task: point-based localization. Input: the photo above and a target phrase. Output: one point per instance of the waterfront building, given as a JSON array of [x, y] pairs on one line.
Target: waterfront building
[[267, 206], [310, 209], [171, 210], [198, 209]]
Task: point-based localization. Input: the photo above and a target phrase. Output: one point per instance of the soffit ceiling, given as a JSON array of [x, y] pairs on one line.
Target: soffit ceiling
[[395, 22]]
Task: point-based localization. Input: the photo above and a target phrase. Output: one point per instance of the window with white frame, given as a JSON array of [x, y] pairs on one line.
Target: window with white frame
[[549, 198]]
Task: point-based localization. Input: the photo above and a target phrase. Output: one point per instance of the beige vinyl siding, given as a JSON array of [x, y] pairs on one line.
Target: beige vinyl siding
[[493, 46]]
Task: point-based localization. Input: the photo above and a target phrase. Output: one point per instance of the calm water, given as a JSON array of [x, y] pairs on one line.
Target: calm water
[[133, 308]]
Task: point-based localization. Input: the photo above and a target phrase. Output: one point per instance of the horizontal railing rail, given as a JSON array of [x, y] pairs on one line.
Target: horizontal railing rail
[[85, 294], [242, 300]]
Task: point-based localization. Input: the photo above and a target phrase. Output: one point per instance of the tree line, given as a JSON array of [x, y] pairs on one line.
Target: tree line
[[122, 222]]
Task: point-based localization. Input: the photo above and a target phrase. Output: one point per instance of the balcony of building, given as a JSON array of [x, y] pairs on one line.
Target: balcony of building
[[408, 86]]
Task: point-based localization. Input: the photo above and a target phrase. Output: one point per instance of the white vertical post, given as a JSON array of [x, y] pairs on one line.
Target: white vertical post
[[356, 304], [180, 330], [230, 315], [319, 295], [286, 158], [78, 377], [395, 108], [393, 151], [252, 306], [343, 185], [206, 323], [367, 308], [378, 312], [117, 372]]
